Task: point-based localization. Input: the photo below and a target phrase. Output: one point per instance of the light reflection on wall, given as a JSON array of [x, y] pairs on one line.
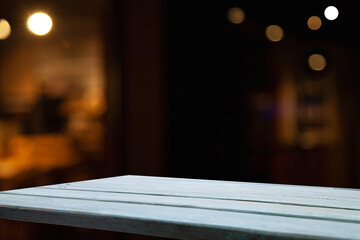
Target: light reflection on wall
[[286, 110]]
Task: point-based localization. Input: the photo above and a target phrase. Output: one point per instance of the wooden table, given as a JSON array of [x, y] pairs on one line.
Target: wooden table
[[191, 209]]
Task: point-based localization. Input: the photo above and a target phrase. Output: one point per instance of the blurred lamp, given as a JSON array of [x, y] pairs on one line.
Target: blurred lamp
[[314, 23], [274, 33], [5, 29], [39, 23], [317, 62], [331, 13], [236, 15]]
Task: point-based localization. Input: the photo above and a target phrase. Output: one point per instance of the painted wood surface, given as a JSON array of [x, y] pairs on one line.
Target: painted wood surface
[[191, 209]]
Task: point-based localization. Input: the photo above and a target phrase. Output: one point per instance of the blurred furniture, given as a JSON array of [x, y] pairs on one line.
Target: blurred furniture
[[191, 209], [32, 156]]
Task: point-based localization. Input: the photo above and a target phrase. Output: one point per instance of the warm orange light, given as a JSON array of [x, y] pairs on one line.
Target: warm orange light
[[317, 62], [5, 29], [39, 23], [236, 15], [314, 23], [308, 139], [274, 33]]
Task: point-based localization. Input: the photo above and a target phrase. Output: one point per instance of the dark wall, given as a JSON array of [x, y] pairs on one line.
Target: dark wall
[[136, 88], [212, 71], [193, 95]]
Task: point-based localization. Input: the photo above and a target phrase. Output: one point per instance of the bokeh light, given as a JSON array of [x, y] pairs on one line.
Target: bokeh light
[[236, 15], [5, 29], [274, 33], [331, 13], [314, 22], [317, 62], [39, 23]]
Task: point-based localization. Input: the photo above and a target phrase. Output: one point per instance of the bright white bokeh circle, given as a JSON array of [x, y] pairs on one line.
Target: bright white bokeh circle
[[331, 13], [39, 23]]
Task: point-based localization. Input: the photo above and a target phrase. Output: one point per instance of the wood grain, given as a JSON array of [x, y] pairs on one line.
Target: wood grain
[[191, 209]]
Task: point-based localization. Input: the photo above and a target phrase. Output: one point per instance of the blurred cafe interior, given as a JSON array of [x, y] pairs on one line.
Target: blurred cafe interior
[[229, 90]]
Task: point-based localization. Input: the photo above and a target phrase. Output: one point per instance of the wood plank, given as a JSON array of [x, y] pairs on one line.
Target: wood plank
[[194, 184], [166, 221], [303, 195], [191, 209], [275, 209]]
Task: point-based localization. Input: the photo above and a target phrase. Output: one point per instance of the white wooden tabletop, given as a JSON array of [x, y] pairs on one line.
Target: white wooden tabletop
[[191, 209]]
